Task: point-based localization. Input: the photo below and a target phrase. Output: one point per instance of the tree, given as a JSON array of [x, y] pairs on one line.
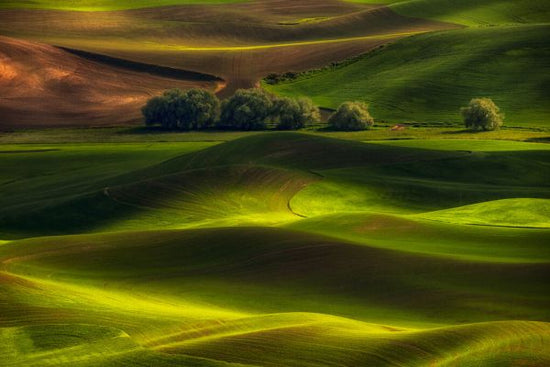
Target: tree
[[171, 108], [482, 114], [154, 110], [294, 114], [247, 109], [190, 110], [199, 109], [351, 116]]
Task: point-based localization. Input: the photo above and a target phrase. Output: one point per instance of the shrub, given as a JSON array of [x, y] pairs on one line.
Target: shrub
[[482, 114], [247, 109], [351, 116], [190, 110], [294, 114]]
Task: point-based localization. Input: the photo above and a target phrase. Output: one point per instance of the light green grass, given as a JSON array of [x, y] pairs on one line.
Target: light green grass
[[81, 300], [472, 12], [474, 145], [103, 5], [412, 234], [430, 135], [508, 212], [504, 63]]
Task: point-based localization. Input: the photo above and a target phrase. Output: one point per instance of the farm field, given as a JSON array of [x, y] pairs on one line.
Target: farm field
[[199, 253], [413, 242]]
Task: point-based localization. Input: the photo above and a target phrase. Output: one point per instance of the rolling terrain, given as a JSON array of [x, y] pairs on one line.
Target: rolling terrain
[[239, 42], [501, 54], [423, 245], [426, 78], [45, 86], [207, 253], [506, 63]]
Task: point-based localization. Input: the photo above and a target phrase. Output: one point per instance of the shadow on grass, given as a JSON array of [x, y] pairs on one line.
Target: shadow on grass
[[464, 131], [544, 139]]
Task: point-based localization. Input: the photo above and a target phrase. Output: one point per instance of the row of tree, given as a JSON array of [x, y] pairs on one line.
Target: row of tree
[[247, 109], [255, 109]]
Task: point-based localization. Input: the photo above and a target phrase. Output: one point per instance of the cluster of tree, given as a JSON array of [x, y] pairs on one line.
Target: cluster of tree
[[194, 109], [275, 78], [247, 109], [255, 109]]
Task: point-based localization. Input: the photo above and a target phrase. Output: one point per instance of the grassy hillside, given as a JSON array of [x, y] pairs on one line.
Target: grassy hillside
[[220, 294], [507, 64], [275, 179], [473, 12], [286, 249], [508, 212]]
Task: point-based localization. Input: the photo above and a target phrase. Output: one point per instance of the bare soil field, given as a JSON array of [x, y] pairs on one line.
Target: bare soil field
[[42, 85]]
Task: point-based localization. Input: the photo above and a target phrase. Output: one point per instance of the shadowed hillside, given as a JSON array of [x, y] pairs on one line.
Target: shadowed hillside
[[507, 64]]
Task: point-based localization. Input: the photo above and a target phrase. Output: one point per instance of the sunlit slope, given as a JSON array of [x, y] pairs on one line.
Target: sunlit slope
[[447, 236], [239, 27], [220, 294], [103, 5], [427, 78], [508, 212], [271, 178], [473, 12]]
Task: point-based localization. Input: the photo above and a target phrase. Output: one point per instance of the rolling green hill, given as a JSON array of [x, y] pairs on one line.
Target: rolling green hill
[[172, 296], [310, 249], [428, 77], [473, 12], [266, 179], [423, 247]]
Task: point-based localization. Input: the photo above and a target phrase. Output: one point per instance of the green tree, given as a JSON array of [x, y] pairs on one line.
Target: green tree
[[247, 109], [198, 109], [174, 109], [294, 114], [351, 116], [154, 110], [482, 114]]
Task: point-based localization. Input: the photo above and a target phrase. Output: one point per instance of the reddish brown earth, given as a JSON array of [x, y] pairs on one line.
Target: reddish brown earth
[[46, 86], [43, 85]]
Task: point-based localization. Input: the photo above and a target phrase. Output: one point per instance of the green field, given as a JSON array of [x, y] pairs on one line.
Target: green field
[[425, 245], [454, 67], [309, 248], [472, 12]]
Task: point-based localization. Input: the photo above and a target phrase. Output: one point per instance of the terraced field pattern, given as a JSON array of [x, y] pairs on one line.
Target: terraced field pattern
[[126, 246]]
